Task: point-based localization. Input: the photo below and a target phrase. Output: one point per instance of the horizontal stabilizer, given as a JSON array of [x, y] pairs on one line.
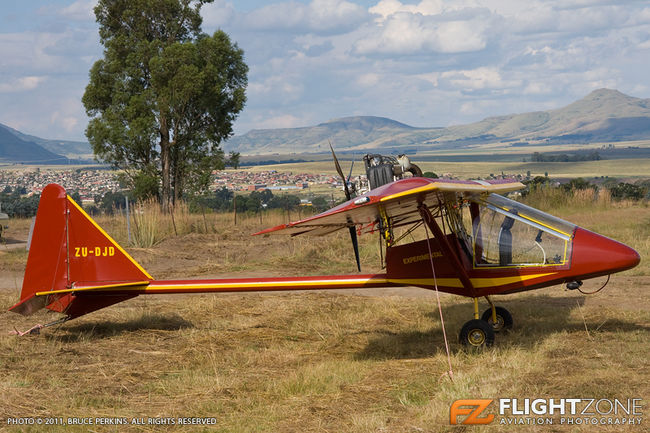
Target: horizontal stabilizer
[[30, 305]]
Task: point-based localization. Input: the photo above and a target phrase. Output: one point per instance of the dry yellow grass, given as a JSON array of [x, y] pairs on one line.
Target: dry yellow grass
[[315, 362], [364, 361]]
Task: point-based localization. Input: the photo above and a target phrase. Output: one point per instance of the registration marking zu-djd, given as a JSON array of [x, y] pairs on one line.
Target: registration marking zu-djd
[[106, 251]]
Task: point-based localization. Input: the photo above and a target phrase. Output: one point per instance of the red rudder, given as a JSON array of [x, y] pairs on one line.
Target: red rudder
[[68, 250]]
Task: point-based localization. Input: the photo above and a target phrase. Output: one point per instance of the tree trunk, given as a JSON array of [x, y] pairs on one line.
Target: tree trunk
[[178, 182], [177, 168], [165, 163]]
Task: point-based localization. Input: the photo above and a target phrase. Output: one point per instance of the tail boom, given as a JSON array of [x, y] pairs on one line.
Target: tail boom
[[74, 267]]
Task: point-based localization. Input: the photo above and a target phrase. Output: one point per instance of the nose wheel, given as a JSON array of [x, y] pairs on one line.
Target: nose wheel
[[479, 333]]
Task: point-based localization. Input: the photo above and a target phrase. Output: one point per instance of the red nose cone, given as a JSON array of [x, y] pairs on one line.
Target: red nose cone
[[595, 255]]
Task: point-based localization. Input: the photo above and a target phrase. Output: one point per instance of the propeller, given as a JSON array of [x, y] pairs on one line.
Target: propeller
[[350, 174], [348, 196]]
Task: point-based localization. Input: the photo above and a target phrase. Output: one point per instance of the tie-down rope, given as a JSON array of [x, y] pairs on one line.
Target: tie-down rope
[[442, 320]]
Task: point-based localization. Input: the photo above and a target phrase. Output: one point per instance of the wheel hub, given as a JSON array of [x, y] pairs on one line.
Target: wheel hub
[[498, 325], [476, 337]]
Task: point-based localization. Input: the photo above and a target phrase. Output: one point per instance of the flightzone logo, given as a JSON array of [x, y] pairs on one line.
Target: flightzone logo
[[547, 411], [471, 410]]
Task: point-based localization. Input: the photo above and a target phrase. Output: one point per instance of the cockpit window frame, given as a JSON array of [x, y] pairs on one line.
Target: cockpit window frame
[[540, 220], [530, 221]]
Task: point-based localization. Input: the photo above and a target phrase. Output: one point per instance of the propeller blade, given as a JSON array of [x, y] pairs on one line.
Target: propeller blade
[[355, 245], [352, 229], [348, 196], [351, 167]]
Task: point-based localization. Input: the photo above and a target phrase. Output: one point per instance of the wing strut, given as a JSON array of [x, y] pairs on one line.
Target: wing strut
[[448, 250]]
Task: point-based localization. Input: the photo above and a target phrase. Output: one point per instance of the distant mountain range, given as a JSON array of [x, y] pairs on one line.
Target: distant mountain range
[[602, 116], [17, 147]]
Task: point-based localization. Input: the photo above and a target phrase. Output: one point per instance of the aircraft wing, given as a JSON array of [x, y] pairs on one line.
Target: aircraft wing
[[398, 200]]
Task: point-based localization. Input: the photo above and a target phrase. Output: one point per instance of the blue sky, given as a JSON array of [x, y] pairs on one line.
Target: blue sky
[[424, 63]]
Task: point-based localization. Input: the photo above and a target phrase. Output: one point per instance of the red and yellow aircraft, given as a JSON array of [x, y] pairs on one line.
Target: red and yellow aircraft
[[480, 244]]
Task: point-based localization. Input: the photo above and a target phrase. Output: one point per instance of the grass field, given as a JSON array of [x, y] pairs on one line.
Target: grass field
[[360, 361]]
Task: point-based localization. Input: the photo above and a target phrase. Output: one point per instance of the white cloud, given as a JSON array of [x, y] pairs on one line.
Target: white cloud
[[21, 84], [218, 14], [45, 53], [80, 10], [537, 88], [386, 8], [69, 124], [405, 33], [319, 16], [406, 30], [66, 115], [478, 79], [478, 107], [422, 62], [435, 63], [644, 45], [370, 79], [281, 121], [277, 86]]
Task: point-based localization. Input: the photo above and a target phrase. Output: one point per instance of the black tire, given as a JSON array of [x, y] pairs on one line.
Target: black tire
[[504, 319], [476, 333]]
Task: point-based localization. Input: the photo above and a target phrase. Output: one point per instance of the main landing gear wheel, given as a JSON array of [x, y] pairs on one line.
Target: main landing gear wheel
[[504, 319], [476, 333]]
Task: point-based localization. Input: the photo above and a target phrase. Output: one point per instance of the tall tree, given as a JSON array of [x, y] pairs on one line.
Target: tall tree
[[164, 96]]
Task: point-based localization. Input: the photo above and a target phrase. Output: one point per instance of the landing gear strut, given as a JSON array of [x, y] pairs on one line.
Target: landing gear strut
[[480, 332], [503, 322]]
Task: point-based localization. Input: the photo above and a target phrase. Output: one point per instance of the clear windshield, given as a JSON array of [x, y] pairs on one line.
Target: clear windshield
[[508, 233]]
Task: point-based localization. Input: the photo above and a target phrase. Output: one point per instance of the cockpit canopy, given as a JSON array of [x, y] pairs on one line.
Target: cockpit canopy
[[508, 233]]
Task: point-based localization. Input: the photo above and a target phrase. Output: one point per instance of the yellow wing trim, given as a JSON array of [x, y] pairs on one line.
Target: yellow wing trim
[[420, 189], [458, 187]]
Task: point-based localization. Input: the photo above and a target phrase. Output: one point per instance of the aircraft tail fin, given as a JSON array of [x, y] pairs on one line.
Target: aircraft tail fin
[[69, 249]]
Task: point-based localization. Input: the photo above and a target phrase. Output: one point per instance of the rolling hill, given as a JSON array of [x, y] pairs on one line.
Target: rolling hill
[[346, 133], [602, 116], [67, 148], [15, 149]]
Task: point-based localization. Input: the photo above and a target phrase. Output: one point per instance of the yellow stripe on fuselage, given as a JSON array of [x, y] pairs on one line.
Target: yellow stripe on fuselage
[[478, 283], [198, 286]]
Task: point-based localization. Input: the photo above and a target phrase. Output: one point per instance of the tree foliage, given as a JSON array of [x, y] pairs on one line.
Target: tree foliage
[[563, 157], [14, 205], [577, 183], [111, 201], [628, 191], [223, 200], [164, 96]]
